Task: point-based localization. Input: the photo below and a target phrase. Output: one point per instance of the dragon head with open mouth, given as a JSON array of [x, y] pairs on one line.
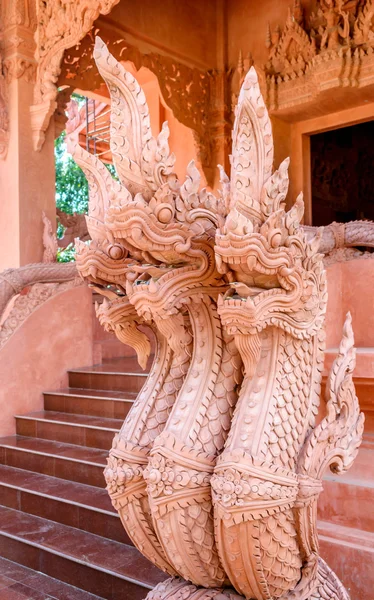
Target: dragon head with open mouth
[[277, 276]]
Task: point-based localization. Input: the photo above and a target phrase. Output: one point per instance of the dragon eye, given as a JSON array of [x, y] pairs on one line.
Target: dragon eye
[[116, 251]]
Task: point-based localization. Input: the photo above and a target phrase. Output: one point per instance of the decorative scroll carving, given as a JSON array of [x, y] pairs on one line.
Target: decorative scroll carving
[[50, 244], [199, 99], [61, 24], [216, 477], [333, 48]]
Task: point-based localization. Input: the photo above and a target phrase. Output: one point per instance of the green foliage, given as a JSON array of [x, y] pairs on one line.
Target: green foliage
[[60, 230], [71, 186], [112, 170], [67, 254], [71, 183]]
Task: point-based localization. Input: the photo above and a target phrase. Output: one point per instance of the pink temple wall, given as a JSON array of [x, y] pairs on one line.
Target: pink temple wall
[[56, 337], [350, 288]]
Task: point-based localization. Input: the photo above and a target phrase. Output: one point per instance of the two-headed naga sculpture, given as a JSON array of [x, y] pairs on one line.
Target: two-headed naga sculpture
[[217, 469]]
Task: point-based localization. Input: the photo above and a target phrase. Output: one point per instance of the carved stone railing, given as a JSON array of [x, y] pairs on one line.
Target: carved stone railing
[[39, 282], [217, 469], [344, 241]]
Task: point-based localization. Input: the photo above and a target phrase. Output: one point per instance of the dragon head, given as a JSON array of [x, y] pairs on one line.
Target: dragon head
[[145, 226], [277, 276]]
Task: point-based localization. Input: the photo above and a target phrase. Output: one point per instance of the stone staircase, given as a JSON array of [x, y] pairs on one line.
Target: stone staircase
[[55, 515]]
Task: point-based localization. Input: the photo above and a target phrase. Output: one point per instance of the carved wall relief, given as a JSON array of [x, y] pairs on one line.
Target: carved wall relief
[[216, 476], [333, 48], [198, 99], [61, 24]]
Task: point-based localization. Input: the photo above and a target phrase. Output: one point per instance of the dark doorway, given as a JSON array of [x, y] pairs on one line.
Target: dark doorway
[[343, 174]]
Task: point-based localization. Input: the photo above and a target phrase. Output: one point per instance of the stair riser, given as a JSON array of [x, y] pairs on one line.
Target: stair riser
[[347, 504], [60, 567], [115, 409], [54, 466], [104, 381], [105, 525], [69, 434]]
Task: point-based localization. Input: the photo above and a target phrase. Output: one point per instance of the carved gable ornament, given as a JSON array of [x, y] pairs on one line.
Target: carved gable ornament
[[217, 469], [332, 48]]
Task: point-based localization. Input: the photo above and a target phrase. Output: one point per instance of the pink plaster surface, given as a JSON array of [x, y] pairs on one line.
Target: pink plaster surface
[[350, 288], [58, 336]]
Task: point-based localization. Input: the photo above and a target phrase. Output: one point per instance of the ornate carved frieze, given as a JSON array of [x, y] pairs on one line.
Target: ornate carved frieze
[[217, 469], [199, 99], [61, 24], [332, 48]]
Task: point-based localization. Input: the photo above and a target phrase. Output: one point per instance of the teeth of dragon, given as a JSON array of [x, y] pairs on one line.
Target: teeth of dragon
[[136, 233], [251, 262], [92, 271], [153, 286]]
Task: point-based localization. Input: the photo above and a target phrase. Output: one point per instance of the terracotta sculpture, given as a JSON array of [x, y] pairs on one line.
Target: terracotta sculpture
[[216, 478]]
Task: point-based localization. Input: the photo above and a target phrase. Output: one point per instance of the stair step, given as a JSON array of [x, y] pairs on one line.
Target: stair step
[[101, 379], [350, 553], [65, 461], [82, 430], [20, 583], [97, 403], [368, 441], [69, 503], [104, 567], [124, 364], [347, 501]]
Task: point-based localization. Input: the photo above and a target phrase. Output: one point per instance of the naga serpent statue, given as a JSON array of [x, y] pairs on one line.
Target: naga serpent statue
[[217, 469]]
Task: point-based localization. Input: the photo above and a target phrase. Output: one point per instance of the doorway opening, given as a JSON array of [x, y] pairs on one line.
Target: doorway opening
[[342, 169]]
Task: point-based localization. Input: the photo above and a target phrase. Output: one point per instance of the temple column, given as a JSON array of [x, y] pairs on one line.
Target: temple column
[[27, 177]]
